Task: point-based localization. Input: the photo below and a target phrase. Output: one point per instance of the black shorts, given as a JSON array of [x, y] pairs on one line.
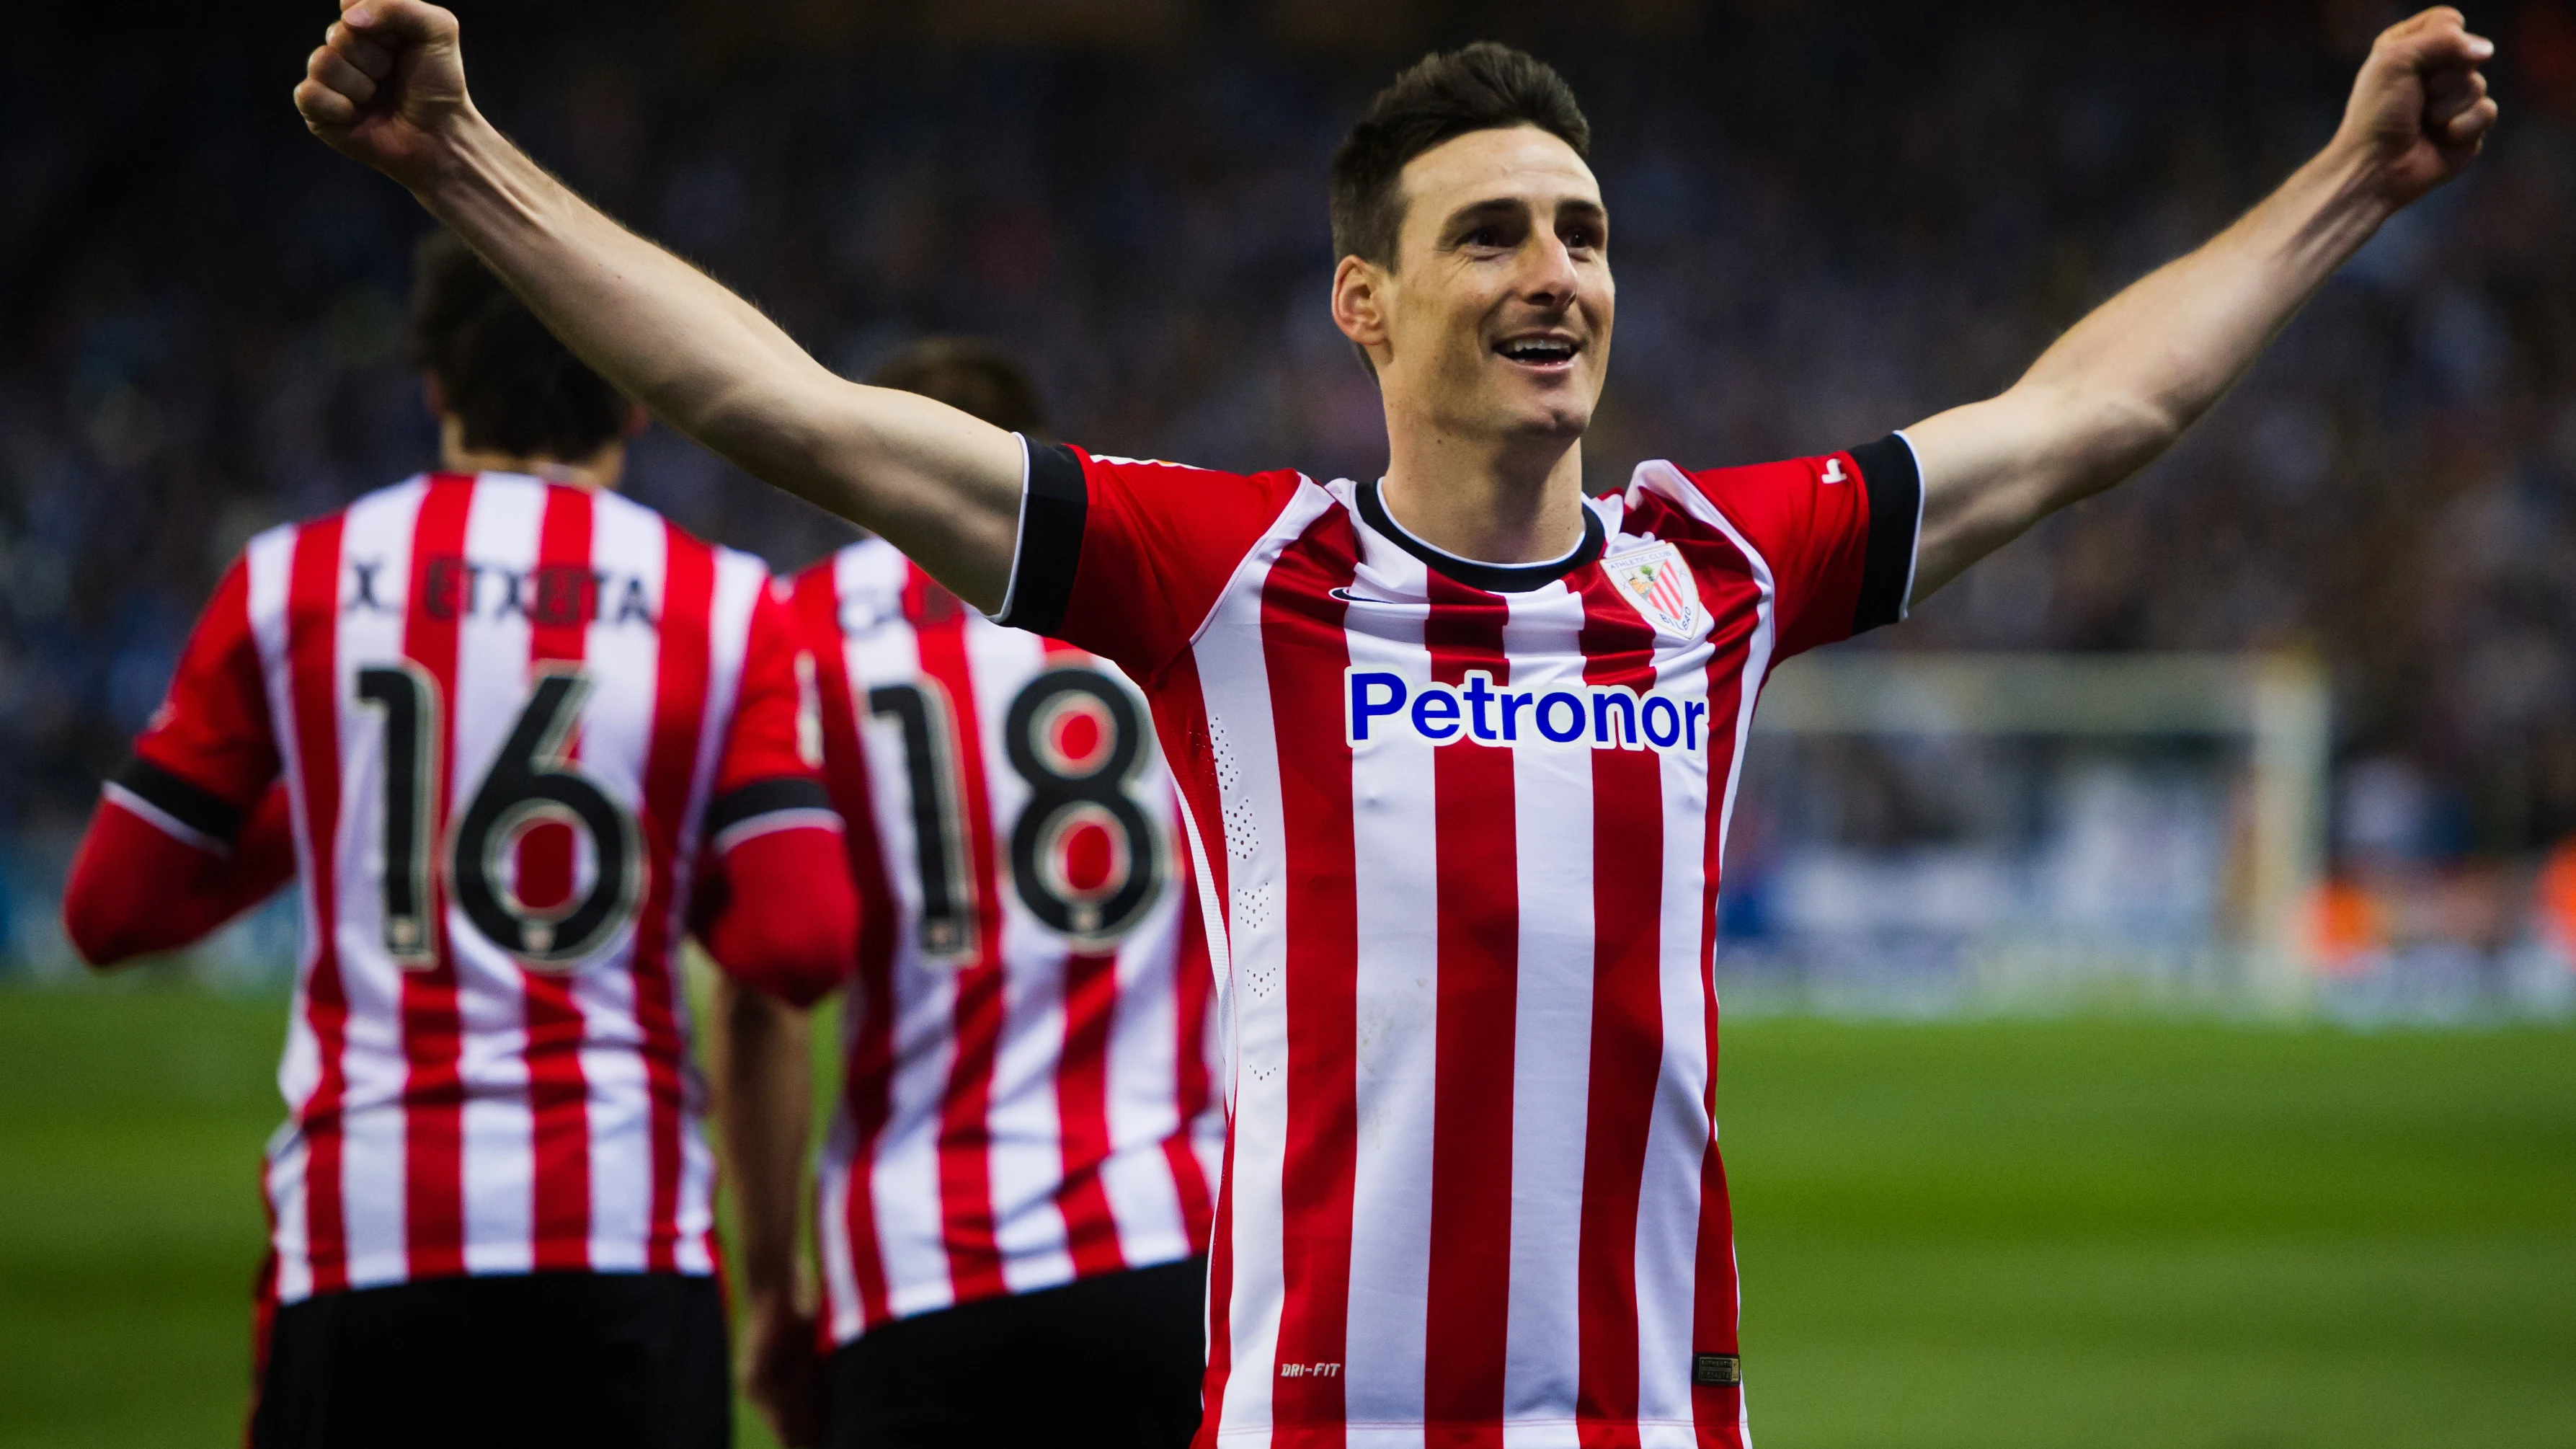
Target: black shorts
[[1108, 1361], [614, 1360]]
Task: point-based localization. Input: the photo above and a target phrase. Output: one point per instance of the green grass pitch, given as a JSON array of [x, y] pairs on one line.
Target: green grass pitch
[[1996, 1234]]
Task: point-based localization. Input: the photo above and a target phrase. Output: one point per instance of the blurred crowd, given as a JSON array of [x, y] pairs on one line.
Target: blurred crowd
[[1829, 220]]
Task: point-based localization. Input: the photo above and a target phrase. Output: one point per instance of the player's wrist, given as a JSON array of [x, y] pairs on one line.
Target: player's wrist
[[2370, 189], [464, 158], [2349, 188]]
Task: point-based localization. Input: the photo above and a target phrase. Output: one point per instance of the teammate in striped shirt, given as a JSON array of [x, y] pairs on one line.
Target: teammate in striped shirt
[[1017, 1185], [527, 733], [1456, 767]]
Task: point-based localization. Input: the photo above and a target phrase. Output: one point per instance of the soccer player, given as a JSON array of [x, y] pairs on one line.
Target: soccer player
[[1456, 744], [1016, 1191], [528, 731]]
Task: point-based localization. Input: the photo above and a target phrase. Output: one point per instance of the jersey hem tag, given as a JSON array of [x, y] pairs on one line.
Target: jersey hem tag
[[1719, 1370]]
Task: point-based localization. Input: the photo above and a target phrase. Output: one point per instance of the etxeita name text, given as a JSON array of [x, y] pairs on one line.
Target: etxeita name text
[[454, 587]]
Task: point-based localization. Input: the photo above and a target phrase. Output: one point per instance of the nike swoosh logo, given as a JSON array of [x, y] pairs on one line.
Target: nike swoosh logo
[[1347, 597]]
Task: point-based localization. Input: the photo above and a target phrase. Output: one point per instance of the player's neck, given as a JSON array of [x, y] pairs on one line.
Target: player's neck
[[1488, 502], [599, 470]]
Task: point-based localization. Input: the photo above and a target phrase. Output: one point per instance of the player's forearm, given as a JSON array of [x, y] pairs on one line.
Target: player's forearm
[[763, 1109], [661, 330], [387, 87], [2131, 377], [2124, 384], [942, 486]]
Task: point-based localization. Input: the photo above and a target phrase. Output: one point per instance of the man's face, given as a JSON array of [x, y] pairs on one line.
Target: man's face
[[1497, 318]]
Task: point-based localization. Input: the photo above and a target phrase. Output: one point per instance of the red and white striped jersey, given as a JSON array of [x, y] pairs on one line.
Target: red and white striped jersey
[[1026, 1094], [1459, 827], [512, 716]]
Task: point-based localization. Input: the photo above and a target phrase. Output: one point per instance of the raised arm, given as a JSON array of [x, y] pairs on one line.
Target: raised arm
[[2119, 388], [387, 87]]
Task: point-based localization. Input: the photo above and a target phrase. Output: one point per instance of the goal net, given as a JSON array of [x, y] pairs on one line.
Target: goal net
[[1926, 833]]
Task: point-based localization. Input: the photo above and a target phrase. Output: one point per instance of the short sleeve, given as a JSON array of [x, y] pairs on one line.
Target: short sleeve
[[769, 777], [1126, 558], [1837, 533], [208, 753]]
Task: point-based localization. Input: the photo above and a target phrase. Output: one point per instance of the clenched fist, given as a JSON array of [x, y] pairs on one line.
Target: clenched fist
[[387, 86], [2420, 108]]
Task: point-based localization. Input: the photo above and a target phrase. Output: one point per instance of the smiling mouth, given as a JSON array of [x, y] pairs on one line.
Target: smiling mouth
[[1537, 351]]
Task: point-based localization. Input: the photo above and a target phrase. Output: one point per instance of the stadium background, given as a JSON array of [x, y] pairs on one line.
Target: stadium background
[[1832, 219]]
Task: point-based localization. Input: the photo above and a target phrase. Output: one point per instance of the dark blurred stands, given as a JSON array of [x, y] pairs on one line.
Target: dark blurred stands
[[1830, 220]]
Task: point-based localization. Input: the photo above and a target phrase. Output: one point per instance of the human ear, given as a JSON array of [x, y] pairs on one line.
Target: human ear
[[1360, 303], [433, 396]]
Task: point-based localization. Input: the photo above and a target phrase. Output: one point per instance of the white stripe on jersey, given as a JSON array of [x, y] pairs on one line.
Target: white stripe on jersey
[[1235, 681], [616, 743], [740, 580], [1670, 1162], [492, 678], [1398, 980], [1552, 1027], [1027, 1162], [373, 1161], [266, 561]]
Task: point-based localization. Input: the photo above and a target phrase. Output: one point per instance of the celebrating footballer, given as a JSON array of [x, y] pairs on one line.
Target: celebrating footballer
[[1456, 746]]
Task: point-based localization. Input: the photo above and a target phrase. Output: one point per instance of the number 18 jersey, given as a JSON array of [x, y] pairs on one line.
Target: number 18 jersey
[[1027, 1081], [512, 718]]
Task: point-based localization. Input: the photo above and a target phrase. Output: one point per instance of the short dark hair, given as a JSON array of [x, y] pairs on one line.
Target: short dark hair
[[970, 375], [512, 386], [1484, 87]]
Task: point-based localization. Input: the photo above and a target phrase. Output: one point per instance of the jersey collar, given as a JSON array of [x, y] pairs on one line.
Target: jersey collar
[[1493, 578]]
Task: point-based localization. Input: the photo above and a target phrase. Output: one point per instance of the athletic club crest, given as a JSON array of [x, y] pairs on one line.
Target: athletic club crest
[[1657, 582]]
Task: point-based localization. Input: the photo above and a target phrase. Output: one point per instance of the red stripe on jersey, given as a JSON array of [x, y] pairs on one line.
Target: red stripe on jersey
[[1478, 911], [1193, 982], [1082, 1111], [1627, 1022], [679, 704], [1306, 653], [866, 1083], [1082, 1088], [433, 1042], [312, 642], [1717, 1409], [1220, 1292], [965, 1126], [1180, 716], [556, 1092]]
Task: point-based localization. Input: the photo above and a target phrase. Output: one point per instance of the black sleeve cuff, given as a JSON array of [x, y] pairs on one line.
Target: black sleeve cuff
[[1051, 521], [193, 806], [1895, 515], [764, 797]]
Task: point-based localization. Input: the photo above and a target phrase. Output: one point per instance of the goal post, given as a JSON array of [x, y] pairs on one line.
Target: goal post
[[2271, 711]]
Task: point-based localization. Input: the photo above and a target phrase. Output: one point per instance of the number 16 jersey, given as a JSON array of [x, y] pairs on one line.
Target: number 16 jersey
[[1026, 1094], [514, 719]]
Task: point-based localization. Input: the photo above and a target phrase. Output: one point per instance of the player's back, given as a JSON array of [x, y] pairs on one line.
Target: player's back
[[501, 707], [1029, 1095]]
